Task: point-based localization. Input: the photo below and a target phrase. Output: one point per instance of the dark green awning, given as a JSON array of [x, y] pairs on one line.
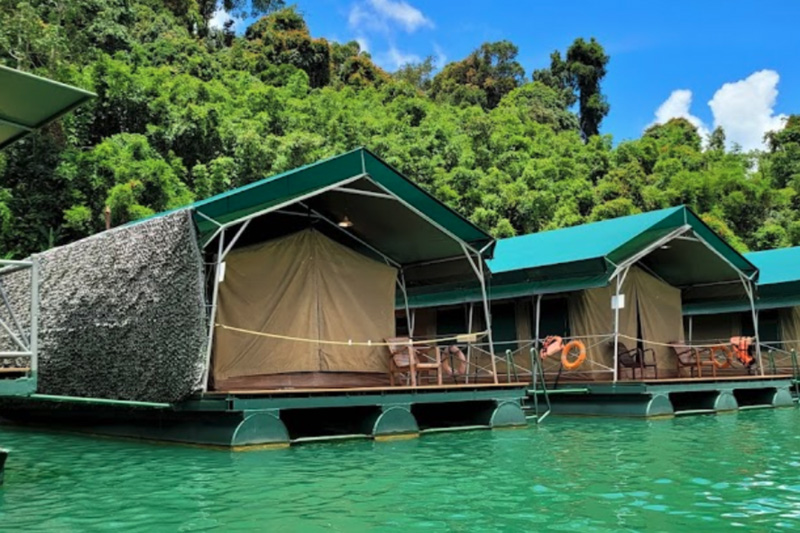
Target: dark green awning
[[28, 102], [778, 285]]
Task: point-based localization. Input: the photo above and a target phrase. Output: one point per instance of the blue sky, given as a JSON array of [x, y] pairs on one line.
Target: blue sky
[[656, 49]]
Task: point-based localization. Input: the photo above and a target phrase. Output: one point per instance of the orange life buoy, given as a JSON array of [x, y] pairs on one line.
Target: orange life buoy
[[461, 362], [725, 351], [572, 365], [551, 346]]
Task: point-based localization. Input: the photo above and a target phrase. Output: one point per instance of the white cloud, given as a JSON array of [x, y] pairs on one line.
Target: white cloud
[[218, 19], [441, 57], [382, 15], [363, 43], [393, 59], [677, 106], [745, 109]]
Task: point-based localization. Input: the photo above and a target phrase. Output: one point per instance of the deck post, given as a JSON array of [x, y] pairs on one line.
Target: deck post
[[213, 313], [537, 314]]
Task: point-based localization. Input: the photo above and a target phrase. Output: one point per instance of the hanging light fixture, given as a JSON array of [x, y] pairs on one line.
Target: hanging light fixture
[[666, 247], [345, 223]]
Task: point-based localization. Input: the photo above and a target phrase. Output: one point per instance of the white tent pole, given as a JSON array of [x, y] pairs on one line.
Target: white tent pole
[[409, 322], [469, 345], [213, 314], [749, 289], [488, 314], [536, 334], [619, 280], [691, 324]]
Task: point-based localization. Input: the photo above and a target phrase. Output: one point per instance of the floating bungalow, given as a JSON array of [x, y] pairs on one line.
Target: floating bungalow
[[617, 287], [777, 306], [262, 316]]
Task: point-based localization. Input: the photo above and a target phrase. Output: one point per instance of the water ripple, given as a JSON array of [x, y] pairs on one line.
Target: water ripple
[[711, 473]]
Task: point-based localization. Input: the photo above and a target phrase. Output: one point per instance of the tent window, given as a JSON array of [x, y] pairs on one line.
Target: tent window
[[554, 319], [768, 325], [504, 327], [451, 321]]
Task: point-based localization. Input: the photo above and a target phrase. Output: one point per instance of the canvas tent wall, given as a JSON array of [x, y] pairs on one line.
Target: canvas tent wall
[[652, 312], [305, 286]]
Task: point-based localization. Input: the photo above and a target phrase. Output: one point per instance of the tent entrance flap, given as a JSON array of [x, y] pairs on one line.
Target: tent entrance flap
[[306, 286]]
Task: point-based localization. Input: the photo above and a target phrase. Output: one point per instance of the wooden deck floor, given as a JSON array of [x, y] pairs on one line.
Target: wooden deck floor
[[14, 370], [419, 388]]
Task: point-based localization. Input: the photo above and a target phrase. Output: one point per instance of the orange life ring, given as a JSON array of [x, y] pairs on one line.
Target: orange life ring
[[725, 351], [461, 363], [551, 346], [572, 365]]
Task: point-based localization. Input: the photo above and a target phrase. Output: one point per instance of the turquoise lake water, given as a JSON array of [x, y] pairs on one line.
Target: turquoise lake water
[[706, 473]]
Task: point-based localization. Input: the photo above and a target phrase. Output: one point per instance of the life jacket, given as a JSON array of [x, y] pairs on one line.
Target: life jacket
[[744, 349]]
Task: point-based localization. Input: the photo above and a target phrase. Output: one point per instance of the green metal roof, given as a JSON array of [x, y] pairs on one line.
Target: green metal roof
[[28, 102], [777, 266], [586, 256]]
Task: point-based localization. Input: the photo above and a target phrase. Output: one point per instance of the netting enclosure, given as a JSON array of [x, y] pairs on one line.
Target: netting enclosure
[[122, 313], [305, 286]]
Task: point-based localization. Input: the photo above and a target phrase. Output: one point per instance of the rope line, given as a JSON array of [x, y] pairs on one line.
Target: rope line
[[456, 338]]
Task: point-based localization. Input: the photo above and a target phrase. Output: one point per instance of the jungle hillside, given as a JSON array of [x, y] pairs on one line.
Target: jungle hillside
[[184, 111]]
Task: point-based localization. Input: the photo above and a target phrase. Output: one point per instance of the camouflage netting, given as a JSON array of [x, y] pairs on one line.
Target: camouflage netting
[[122, 313]]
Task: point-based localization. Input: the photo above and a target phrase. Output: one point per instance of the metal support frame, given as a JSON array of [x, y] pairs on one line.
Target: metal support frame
[[401, 281], [486, 309], [749, 288], [361, 192], [212, 315], [691, 327], [537, 322], [28, 343]]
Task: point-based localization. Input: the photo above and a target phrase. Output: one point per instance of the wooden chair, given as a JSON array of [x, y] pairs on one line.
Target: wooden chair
[[688, 357], [635, 358], [413, 360]]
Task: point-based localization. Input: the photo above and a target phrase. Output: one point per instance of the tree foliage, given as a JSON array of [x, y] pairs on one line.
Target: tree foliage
[[185, 111]]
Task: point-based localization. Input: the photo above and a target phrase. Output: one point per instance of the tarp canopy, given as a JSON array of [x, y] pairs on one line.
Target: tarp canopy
[[778, 285], [306, 286], [674, 244], [28, 102]]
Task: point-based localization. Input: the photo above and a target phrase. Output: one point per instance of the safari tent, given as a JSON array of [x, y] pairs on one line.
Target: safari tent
[[722, 315], [615, 285]]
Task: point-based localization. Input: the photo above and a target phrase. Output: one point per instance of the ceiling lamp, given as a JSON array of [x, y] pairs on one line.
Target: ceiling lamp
[[345, 223], [666, 247]]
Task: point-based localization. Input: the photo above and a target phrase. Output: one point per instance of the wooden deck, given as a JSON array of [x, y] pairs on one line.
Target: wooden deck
[[375, 390], [14, 370]]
